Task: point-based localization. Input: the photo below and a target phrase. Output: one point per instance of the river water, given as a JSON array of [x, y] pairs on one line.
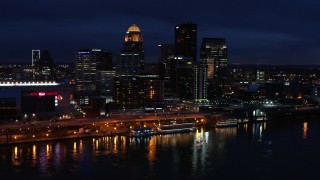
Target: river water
[[247, 152]]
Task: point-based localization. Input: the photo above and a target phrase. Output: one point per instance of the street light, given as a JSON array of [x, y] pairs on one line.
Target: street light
[[33, 117]]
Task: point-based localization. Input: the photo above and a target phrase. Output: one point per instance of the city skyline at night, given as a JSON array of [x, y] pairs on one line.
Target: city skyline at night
[[159, 89], [257, 32]]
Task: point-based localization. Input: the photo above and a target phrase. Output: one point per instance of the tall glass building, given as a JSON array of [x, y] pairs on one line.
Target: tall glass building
[[213, 53], [186, 41], [89, 65]]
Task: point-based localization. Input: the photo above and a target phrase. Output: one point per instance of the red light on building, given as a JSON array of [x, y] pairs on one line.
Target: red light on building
[[51, 93], [41, 94], [59, 97]]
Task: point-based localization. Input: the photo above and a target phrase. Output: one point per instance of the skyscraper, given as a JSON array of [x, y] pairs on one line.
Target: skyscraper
[[89, 65], [133, 40], [34, 61], [35, 56], [44, 68], [131, 58], [166, 53], [184, 79], [186, 41], [213, 53]]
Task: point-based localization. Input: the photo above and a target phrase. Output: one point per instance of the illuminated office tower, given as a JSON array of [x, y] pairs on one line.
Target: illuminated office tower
[[34, 61], [91, 69], [184, 78], [131, 58], [138, 91], [186, 41], [260, 76], [213, 53]]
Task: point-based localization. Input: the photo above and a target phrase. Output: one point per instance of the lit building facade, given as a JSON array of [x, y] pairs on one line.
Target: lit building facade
[[213, 54], [184, 78], [105, 84], [137, 92], [34, 61], [260, 76], [131, 58], [203, 82], [35, 56], [90, 72]]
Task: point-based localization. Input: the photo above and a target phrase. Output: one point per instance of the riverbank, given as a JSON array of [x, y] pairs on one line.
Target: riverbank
[[14, 133], [19, 139], [13, 140]]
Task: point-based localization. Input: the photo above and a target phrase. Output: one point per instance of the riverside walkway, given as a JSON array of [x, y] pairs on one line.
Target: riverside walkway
[[17, 132]]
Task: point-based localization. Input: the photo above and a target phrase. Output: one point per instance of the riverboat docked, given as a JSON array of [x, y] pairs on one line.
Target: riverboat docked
[[226, 123], [141, 132], [174, 127]]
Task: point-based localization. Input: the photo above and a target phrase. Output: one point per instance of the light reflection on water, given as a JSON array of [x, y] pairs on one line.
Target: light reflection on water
[[305, 130], [203, 153]]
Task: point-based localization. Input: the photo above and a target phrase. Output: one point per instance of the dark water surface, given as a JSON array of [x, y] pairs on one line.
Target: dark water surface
[[248, 152]]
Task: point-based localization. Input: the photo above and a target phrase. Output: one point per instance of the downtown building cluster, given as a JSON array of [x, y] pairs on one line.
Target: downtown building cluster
[[98, 84], [185, 78], [130, 85]]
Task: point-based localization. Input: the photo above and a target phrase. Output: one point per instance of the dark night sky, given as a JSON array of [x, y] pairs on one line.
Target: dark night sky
[[257, 31]]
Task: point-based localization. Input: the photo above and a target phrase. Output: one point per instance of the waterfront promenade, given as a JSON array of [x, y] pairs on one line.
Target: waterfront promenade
[[120, 124], [18, 132]]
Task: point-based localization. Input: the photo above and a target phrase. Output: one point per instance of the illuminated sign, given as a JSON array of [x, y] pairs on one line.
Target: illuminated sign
[[40, 94], [29, 83]]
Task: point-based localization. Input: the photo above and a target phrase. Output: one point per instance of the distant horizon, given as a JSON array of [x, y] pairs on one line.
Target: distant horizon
[[231, 64]]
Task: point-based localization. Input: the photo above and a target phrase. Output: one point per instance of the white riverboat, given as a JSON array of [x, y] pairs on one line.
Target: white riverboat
[[174, 127], [226, 123]]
